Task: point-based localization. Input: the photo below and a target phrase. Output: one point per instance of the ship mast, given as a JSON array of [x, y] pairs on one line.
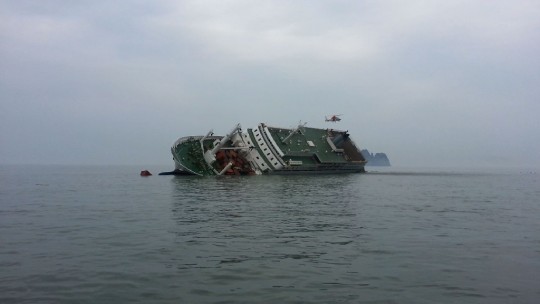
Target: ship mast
[[300, 125], [210, 155]]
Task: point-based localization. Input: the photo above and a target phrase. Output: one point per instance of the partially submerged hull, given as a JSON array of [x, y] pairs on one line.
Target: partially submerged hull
[[268, 150]]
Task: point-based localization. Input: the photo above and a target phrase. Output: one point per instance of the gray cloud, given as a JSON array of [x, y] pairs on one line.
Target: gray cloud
[[117, 82]]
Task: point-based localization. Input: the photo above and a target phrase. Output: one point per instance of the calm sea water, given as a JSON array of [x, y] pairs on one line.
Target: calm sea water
[[107, 235]]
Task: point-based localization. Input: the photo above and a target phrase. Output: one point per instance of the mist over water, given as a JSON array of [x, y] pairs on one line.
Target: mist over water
[[105, 234]]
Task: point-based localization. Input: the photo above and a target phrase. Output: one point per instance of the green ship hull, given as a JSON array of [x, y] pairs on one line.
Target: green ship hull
[[268, 150]]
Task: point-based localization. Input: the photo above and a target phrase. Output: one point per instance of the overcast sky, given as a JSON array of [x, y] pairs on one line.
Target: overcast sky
[[433, 83]]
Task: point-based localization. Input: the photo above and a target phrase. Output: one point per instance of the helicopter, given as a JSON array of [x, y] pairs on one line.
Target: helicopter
[[333, 118]]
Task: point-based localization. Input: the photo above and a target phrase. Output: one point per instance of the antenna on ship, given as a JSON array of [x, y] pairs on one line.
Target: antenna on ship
[[299, 128]]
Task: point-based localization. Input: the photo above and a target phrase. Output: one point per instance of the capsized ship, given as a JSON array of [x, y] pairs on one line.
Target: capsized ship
[[268, 150]]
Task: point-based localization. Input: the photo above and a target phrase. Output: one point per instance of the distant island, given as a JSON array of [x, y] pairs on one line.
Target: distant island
[[377, 159]]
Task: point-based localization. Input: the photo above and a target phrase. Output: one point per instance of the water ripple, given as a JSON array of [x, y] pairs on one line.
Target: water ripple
[[106, 235]]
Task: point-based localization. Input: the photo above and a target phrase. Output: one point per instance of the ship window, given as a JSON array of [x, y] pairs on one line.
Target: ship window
[[258, 157], [268, 153], [265, 149], [272, 158], [275, 164]]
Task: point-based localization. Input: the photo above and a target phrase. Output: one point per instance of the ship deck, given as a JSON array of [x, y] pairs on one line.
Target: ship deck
[[307, 146]]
